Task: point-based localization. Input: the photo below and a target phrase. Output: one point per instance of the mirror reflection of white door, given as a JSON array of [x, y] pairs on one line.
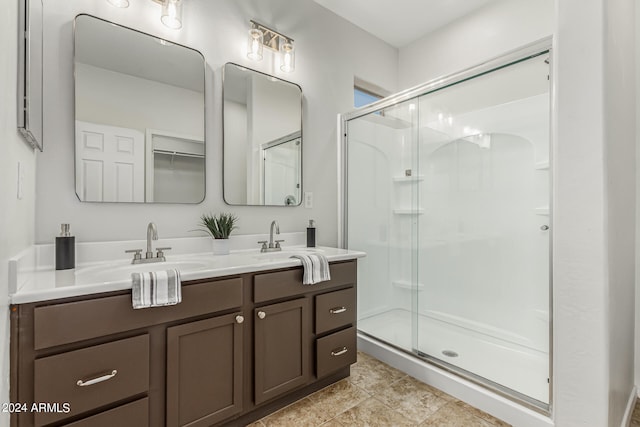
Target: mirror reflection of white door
[[109, 163]]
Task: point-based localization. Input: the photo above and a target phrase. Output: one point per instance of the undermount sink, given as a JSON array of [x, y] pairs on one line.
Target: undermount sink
[[122, 271]]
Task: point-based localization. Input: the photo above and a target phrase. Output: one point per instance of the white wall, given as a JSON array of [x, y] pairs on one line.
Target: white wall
[[235, 170], [329, 51], [16, 216], [136, 103], [487, 33], [593, 251], [620, 167]]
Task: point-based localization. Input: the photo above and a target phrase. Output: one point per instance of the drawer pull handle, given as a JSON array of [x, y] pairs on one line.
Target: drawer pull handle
[[262, 314], [339, 352], [97, 380], [338, 310]]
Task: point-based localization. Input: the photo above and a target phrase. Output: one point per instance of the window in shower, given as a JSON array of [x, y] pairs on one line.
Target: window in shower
[[365, 93], [449, 195]]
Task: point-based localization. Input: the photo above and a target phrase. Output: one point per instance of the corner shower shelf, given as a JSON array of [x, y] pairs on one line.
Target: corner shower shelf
[[408, 211], [408, 178], [543, 210], [542, 165], [406, 284]]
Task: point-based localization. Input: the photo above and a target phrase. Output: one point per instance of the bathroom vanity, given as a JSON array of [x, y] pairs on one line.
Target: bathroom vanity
[[239, 346]]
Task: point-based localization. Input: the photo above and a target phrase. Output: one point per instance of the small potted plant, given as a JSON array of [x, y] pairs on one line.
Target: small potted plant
[[219, 227]]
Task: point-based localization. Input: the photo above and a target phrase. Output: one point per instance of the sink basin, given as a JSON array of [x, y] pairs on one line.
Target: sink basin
[[122, 271], [286, 253]]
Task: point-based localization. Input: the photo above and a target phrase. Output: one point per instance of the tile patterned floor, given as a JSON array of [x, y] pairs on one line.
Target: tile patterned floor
[[635, 416], [378, 395]]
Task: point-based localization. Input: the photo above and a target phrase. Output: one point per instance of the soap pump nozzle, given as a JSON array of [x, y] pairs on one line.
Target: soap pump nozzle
[[65, 230]]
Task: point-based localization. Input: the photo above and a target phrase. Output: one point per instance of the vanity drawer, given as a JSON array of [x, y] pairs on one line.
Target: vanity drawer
[[282, 284], [76, 321], [122, 367], [336, 351], [335, 309], [134, 414]]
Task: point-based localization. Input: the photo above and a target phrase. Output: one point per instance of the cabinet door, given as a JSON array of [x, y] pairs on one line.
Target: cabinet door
[[204, 371], [282, 345]]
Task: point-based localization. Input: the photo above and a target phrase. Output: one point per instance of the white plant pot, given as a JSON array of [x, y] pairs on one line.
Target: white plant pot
[[221, 246]]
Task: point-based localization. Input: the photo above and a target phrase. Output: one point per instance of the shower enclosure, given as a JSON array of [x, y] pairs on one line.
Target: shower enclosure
[[447, 190]]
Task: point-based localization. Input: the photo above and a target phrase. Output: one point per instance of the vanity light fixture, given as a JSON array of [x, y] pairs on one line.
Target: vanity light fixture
[[262, 36], [171, 15]]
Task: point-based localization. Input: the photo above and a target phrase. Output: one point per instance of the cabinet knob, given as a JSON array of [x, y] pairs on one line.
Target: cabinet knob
[[262, 314], [544, 227], [239, 318]]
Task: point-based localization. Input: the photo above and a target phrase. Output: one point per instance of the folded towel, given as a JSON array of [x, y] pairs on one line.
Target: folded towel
[[315, 266], [156, 288]]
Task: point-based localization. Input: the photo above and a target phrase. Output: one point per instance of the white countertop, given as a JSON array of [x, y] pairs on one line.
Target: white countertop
[[97, 277]]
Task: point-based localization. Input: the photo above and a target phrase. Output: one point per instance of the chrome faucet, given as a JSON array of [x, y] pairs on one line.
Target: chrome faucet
[[152, 234], [272, 247]]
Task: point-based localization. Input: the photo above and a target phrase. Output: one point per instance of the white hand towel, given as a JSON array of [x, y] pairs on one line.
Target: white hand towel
[[315, 266], [156, 289]]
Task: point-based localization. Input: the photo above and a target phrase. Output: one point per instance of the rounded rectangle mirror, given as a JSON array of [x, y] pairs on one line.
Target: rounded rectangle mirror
[[139, 116], [262, 146]]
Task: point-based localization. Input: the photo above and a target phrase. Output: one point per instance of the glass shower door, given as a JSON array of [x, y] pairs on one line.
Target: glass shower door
[[382, 216], [482, 294]]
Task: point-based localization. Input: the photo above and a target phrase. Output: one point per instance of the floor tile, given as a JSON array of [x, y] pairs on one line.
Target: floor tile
[[372, 375], [338, 397], [302, 413], [635, 416], [414, 399], [373, 413], [452, 415]]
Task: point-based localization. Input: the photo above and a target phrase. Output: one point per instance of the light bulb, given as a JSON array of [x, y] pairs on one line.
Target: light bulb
[[288, 57], [254, 44], [172, 14]]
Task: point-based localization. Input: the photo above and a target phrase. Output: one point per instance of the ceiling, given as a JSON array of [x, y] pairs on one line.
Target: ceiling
[[400, 22]]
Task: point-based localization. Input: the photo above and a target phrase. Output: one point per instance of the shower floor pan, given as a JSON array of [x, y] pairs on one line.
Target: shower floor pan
[[513, 366]]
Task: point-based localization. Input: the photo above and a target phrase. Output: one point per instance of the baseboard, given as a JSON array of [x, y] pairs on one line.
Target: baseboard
[[626, 420]]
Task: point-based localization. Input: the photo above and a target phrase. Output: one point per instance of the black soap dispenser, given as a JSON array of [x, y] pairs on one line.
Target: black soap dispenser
[[65, 249], [311, 234]]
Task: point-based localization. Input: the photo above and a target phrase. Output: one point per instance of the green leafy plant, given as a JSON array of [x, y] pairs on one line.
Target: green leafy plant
[[219, 226]]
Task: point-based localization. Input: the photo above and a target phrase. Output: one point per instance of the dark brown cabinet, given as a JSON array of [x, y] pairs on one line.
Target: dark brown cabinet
[[281, 345], [234, 350], [204, 371]]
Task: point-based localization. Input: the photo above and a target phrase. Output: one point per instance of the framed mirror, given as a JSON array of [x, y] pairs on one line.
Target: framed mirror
[[30, 106], [262, 146], [139, 116]]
